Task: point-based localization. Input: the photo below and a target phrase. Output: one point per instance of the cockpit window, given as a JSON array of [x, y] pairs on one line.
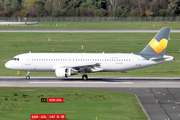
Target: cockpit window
[[16, 59]]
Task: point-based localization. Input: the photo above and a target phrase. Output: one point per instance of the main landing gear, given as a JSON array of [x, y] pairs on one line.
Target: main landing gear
[[85, 77], [28, 75]]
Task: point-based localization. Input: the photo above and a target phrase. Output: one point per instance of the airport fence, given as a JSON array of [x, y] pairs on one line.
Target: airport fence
[[85, 19]]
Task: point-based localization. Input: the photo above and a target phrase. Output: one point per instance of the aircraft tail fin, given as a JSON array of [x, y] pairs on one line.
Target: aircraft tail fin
[[157, 46]]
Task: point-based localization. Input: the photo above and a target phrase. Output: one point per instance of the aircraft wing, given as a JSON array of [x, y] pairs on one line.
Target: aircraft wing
[[93, 67]]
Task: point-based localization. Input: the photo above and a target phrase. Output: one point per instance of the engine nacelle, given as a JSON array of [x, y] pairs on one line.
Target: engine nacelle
[[65, 72]]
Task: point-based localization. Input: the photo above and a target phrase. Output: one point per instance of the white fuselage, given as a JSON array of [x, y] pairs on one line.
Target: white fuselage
[[108, 62]]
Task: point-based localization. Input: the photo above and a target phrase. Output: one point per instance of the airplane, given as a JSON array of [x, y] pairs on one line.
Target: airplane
[[67, 64]]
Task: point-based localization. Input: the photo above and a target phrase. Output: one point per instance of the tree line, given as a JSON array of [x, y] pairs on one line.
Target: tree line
[[89, 8]]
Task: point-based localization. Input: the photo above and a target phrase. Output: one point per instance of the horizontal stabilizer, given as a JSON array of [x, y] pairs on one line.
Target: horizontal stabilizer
[[166, 58]]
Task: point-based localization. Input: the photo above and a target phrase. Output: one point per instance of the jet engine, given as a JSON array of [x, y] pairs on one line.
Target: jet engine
[[65, 72]]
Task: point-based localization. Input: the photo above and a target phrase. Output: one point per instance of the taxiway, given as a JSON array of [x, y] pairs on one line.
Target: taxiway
[[136, 82]]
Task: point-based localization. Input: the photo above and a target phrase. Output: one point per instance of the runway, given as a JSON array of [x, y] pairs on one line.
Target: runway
[[99, 82], [147, 89], [86, 30]]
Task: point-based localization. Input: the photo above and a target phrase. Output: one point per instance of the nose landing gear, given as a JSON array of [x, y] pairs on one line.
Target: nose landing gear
[[28, 75]]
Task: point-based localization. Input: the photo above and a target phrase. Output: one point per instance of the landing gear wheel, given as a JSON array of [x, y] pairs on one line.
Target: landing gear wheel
[[85, 77], [27, 77]]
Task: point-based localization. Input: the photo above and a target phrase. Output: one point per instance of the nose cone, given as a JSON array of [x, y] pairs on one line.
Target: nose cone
[[8, 65]]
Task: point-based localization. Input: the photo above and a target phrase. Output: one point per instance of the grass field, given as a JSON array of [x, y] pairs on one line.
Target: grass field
[[79, 104], [12, 44], [95, 25]]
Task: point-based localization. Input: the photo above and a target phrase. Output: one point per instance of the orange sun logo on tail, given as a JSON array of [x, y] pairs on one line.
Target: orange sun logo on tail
[[158, 46]]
